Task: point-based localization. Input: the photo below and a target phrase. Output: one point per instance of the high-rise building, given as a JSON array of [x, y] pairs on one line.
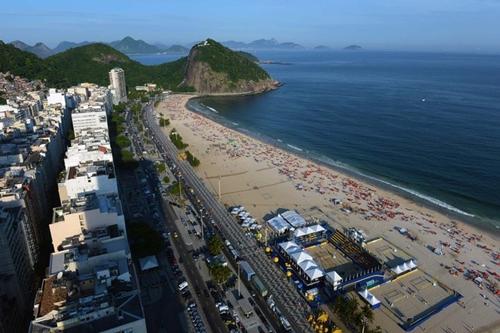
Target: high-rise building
[[91, 284], [89, 116], [118, 85]]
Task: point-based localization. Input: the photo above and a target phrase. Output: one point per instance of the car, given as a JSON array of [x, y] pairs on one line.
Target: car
[[183, 285]]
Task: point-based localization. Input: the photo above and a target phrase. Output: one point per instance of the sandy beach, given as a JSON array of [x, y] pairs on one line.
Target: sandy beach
[[264, 178]]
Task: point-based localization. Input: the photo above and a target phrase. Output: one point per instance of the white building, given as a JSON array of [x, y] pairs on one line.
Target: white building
[[118, 85], [85, 213], [89, 116], [57, 97]]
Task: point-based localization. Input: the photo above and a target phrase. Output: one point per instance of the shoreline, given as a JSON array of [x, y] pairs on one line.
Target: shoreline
[[245, 170], [471, 221]]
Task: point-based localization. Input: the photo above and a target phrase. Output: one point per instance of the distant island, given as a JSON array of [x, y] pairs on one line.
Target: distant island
[[210, 68], [353, 47], [263, 44], [322, 48]]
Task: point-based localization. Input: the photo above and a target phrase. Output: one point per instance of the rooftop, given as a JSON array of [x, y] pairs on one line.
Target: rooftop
[[106, 203]]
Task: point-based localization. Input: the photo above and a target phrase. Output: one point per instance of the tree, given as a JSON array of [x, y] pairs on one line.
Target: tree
[[175, 189], [119, 107], [191, 159], [166, 180], [367, 312], [160, 167], [220, 273], [176, 139], [122, 141], [144, 240], [164, 122], [215, 245]]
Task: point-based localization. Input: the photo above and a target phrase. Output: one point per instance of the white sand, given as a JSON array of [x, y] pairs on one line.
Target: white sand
[[264, 178]]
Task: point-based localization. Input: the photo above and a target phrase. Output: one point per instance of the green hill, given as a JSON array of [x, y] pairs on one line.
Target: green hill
[[128, 45], [249, 56], [213, 68], [91, 63], [20, 62]]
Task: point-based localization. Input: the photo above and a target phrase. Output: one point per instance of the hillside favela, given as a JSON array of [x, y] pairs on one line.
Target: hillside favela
[[250, 167]]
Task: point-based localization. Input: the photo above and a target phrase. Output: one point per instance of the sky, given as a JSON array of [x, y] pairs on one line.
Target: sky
[[433, 25]]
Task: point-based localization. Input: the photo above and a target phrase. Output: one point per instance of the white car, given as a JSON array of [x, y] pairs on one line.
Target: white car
[[182, 286]]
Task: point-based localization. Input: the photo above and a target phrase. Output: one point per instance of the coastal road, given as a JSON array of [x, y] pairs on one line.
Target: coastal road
[[284, 293], [195, 279]]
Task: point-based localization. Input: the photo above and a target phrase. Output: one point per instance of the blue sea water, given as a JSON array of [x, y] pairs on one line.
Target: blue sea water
[[426, 124]]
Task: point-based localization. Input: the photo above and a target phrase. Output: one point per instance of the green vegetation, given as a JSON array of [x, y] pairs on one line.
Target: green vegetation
[[120, 108], [122, 156], [221, 59], [160, 167], [249, 56], [175, 189], [135, 94], [176, 139], [20, 63], [164, 122], [144, 240], [92, 62], [220, 273], [3, 101], [353, 316], [89, 63], [122, 141], [166, 180], [127, 156], [191, 159], [215, 245]]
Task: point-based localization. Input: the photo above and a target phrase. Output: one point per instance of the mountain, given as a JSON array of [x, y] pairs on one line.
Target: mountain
[[175, 49], [213, 68], [128, 45], [262, 44], [210, 68], [65, 45], [321, 48], [20, 45], [249, 56], [353, 47], [39, 49], [19, 62]]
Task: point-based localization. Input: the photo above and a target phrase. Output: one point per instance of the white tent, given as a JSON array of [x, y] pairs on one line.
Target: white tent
[[314, 273], [369, 298], [301, 256], [308, 230], [307, 265], [412, 264], [147, 263], [397, 270], [334, 278], [290, 247]]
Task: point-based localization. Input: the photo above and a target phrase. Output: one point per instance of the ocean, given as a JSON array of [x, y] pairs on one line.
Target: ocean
[[426, 125]]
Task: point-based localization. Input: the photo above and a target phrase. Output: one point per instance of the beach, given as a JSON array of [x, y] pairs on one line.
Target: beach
[[264, 178]]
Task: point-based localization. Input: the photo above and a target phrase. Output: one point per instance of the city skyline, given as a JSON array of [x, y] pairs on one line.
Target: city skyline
[[465, 25]]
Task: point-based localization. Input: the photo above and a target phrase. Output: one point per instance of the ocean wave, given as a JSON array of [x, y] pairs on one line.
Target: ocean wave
[[294, 147], [211, 109], [329, 161], [415, 193]]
